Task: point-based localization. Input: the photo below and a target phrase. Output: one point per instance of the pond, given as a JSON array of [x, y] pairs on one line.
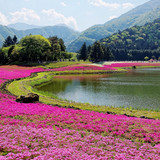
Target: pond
[[139, 88]]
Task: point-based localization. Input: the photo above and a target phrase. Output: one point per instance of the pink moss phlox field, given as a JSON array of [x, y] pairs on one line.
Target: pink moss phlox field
[[21, 142], [142, 130], [16, 73], [110, 67], [35, 131], [83, 68], [115, 65]]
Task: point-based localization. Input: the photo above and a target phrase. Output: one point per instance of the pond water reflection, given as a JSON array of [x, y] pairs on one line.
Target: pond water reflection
[[137, 88]]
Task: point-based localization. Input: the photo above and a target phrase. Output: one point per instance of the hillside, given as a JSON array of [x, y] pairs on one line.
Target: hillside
[[64, 32], [22, 26], [144, 40], [140, 15], [137, 37]]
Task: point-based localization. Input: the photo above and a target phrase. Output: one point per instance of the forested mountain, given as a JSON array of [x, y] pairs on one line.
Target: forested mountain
[[137, 37], [136, 42], [64, 32], [140, 15], [61, 31], [22, 26]]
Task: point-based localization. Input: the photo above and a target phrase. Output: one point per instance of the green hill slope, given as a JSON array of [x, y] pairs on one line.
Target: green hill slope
[[136, 42], [67, 34], [140, 15]]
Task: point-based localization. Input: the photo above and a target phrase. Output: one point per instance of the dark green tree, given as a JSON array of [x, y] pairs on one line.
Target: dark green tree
[[3, 57], [83, 52], [66, 55], [8, 41], [89, 49], [56, 52], [15, 39], [107, 54], [15, 54], [9, 53], [61, 43], [53, 40], [97, 53], [33, 47], [58, 48]]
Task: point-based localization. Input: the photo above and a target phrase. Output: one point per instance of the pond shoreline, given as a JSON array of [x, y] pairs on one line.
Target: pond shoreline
[[29, 82]]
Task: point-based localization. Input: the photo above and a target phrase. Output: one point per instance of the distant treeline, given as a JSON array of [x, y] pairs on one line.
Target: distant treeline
[[33, 48], [134, 55], [95, 53]]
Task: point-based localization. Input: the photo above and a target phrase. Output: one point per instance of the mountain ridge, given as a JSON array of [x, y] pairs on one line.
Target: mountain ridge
[[64, 32], [137, 16], [23, 26], [135, 43]]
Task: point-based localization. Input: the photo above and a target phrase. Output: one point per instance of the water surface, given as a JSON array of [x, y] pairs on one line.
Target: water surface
[[138, 88]]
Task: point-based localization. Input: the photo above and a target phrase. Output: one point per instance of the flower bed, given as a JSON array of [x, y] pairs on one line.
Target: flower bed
[[19, 142], [84, 68], [115, 65], [142, 130], [13, 73]]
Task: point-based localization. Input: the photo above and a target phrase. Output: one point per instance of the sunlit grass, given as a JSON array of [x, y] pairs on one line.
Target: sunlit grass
[[64, 64]]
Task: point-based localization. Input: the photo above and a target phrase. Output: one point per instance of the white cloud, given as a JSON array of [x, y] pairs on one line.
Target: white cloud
[[112, 17], [3, 19], [57, 18], [127, 5], [25, 15], [63, 4], [101, 3]]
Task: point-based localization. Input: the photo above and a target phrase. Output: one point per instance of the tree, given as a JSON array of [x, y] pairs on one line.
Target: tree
[[3, 57], [107, 54], [89, 49], [9, 52], [15, 55], [15, 39], [83, 52], [130, 56], [58, 48], [56, 51], [33, 47], [53, 40], [61, 43], [8, 41], [146, 58], [153, 57], [97, 52]]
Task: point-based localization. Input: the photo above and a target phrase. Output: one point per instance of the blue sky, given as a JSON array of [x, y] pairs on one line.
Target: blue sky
[[78, 14]]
